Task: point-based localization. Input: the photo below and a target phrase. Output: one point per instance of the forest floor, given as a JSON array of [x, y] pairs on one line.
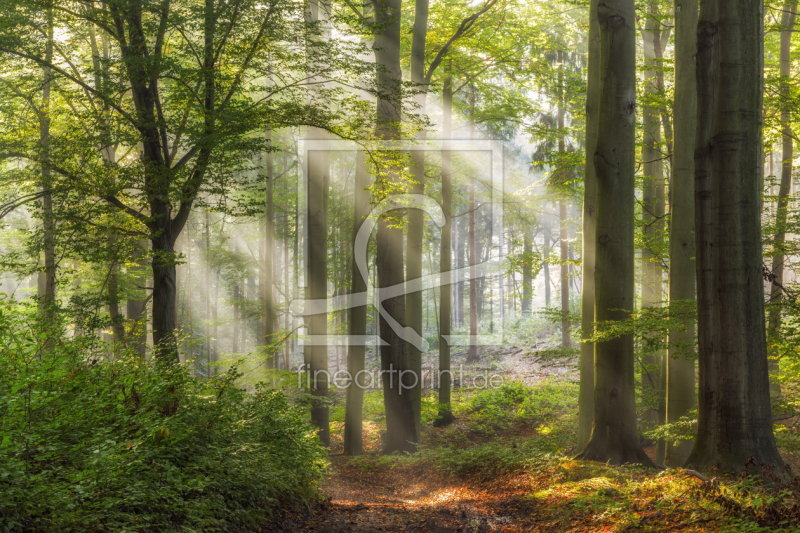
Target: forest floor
[[505, 465]]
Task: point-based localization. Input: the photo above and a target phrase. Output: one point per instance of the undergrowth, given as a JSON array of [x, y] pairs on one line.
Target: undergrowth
[[126, 445]]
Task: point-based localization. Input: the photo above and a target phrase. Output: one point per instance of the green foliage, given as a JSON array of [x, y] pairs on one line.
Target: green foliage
[[123, 445]]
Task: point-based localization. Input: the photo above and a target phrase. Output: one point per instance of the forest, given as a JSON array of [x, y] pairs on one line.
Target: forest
[[375, 265]]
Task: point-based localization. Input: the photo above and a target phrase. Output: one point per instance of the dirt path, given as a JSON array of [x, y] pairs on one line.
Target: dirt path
[[416, 500]]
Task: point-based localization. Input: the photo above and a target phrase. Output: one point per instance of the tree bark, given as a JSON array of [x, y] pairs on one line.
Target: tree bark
[[47, 279], [445, 416], [652, 217], [778, 255], [472, 355], [268, 319], [317, 283], [356, 353], [416, 218], [614, 436], [586, 392], [527, 271], [401, 427], [735, 421], [681, 386]]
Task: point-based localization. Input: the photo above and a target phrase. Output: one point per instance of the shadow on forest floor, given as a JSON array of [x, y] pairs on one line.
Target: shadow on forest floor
[[505, 465]]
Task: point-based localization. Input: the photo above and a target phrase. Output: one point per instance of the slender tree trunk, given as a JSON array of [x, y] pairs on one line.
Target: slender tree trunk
[[472, 355], [236, 301], [527, 271], [681, 397], [614, 436], [47, 278], [208, 296], [356, 352], [445, 416], [778, 255], [735, 421], [562, 213], [416, 217], [268, 320], [135, 308], [546, 266], [652, 217]]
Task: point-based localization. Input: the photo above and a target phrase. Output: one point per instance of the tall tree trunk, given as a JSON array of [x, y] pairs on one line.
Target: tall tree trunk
[[614, 436], [681, 385], [268, 319], [735, 421], [472, 355], [356, 352], [445, 416], [317, 283], [652, 216], [208, 296], [416, 217], [47, 278], [562, 212], [586, 393], [401, 426], [778, 256]]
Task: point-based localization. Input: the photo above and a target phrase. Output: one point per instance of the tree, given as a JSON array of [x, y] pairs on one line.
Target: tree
[[193, 79], [445, 416], [586, 393], [614, 437], [653, 208], [734, 418], [778, 256], [681, 385]]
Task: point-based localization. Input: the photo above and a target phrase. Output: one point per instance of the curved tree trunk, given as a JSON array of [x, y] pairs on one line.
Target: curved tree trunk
[[614, 436], [735, 421]]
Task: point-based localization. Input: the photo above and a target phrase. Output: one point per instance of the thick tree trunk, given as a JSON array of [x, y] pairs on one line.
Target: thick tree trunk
[[317, 283], [586, 393], [614, 436], [735, 421], [416, 218], [681, 397], [445, 416], [652, 216], [356, 353], [401, 427]]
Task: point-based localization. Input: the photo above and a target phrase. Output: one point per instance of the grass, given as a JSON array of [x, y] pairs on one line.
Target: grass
[[524, 436]]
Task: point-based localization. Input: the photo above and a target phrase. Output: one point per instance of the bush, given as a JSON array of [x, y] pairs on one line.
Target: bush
[[126, 445]]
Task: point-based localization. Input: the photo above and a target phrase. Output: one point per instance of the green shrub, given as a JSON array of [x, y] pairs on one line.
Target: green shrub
[[126, 445]]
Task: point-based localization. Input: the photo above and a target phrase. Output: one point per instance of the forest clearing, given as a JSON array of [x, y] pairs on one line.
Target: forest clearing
[[387, 265]]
